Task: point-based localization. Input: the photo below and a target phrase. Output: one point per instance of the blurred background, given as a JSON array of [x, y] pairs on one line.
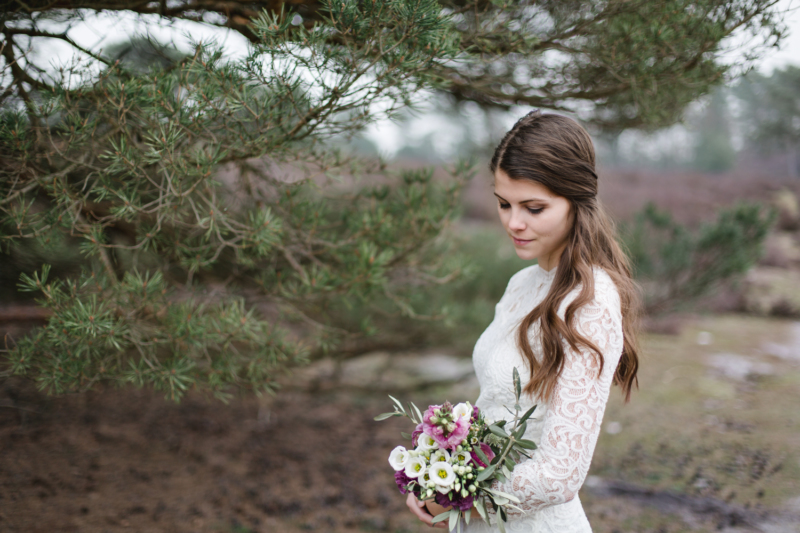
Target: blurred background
[[216, 266]]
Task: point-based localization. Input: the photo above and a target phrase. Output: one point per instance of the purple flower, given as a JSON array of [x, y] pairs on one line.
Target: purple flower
[[447, 430], [402, 481], [475, 414], [487, 451], [415, 435], [458, 501]]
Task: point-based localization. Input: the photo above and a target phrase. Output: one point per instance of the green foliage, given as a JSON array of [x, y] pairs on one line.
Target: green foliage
[[178, 343], [638, 63], [677, 266], [713, 151], [450, 310], [620, 63], [217, 182], [215, 223], [771, 111]]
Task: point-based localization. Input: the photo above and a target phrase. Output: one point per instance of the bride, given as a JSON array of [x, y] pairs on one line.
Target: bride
[[568, 320]]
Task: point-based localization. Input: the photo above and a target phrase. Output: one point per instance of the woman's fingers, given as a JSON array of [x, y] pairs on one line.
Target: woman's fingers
[[418, 508]]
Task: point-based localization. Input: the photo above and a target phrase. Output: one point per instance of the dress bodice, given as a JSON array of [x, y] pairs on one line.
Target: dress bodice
[[496, 353], [567, 426]]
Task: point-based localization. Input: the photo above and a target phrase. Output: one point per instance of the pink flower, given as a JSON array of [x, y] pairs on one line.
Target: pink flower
[[415, 435], [487, 451], [440, 423]]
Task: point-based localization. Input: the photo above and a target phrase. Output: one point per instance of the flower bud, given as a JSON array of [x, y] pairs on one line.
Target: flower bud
[[470, 476], [429, 493], [457, 486], [459, 448], [464, 493], [473, 488], [468, 468], [481, 469]]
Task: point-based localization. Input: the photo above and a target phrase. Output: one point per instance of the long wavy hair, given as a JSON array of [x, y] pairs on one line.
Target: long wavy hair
[[557, 152]]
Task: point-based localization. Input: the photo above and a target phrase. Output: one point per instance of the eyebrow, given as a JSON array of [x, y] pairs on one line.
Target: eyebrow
[[524, 201]]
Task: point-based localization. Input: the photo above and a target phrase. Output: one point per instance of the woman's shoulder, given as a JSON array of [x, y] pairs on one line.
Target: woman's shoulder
[[603, 283], [606, 293]]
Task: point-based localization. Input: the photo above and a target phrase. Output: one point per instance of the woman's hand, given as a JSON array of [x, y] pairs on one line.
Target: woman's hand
[[418, 508]]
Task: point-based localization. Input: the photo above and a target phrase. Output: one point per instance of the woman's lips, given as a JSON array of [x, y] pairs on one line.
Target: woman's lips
[[521, 242]]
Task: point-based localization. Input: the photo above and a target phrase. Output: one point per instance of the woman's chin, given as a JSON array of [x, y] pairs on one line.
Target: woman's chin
[[522, 253]]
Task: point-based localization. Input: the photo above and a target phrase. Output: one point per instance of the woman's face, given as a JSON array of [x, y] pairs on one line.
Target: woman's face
[[537, 221]]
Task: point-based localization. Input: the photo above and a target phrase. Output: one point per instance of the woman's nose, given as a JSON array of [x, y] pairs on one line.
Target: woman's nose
[[515, 222]]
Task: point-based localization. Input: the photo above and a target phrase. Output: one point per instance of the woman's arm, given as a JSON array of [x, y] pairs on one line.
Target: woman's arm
[[559, 465]]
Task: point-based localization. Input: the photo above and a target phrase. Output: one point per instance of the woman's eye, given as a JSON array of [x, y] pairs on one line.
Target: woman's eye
[[535, 210], [504, 206]]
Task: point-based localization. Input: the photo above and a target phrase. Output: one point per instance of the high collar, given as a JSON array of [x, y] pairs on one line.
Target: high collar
[[544, 276]]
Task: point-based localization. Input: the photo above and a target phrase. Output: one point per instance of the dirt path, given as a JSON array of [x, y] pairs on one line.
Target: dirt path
[[697, 451]]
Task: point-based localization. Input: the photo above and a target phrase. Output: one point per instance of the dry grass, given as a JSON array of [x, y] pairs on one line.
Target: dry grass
[[705, 431]]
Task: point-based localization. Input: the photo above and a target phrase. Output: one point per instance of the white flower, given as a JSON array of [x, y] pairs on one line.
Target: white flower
[[398, 458], [426, 442], [440, 455], [463, 410], [415, 467], [461, 457], [425, 479], [442, 474]]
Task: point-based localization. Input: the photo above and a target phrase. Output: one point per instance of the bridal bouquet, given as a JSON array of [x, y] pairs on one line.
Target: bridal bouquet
[[455, 455]]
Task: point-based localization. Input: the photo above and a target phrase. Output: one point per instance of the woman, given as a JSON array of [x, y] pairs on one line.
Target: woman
[[568, 321]]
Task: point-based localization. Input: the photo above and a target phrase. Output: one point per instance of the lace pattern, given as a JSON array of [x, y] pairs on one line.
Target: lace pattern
[[567, 427]]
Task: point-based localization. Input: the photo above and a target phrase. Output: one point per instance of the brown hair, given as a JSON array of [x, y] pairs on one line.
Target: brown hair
[[557, 152]]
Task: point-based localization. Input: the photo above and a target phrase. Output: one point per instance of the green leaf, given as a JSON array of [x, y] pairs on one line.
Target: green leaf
[[384, 416], [527, 444], [498, 431], [487, 472], [467, 515], [396, 401], [527, 415], [481, 509], [481, 455], [501, 522], [416, 410], [453, 518], [517, 384], [502, 494], [441, 517]]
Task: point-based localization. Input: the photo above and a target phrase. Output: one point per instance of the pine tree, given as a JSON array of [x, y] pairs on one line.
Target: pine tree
[[220, 226]]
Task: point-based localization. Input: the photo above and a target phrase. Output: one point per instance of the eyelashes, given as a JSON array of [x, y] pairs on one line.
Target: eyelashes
[[531, 210]]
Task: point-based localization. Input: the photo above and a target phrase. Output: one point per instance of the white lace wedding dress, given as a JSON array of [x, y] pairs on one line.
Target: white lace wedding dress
[[566, 428]]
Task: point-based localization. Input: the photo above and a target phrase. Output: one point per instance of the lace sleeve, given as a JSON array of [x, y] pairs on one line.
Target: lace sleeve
[[559, 465]]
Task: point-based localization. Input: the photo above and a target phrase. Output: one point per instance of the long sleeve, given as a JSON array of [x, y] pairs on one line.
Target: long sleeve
[[571, 426]]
